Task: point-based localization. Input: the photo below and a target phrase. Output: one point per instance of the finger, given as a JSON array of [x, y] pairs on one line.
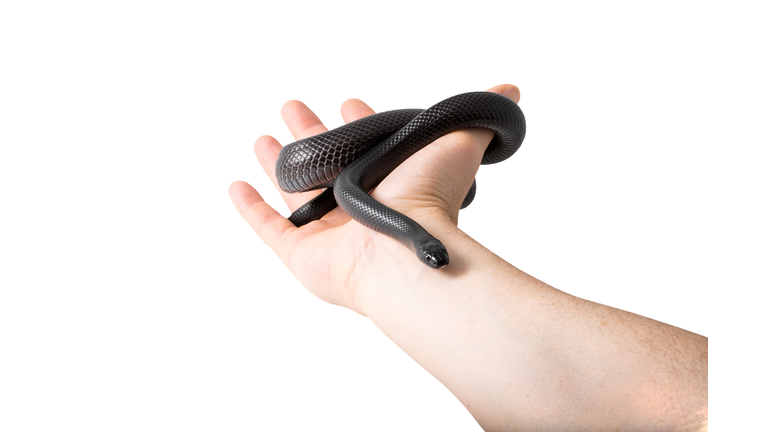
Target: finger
[[301, 121], [355, 109], [267, 150], [508, 90], [264, 220]]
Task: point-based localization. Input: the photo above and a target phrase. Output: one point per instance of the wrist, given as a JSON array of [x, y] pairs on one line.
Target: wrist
[[393, 270]]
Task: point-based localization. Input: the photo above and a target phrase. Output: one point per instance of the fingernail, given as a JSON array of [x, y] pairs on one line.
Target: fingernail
[[512, 92]]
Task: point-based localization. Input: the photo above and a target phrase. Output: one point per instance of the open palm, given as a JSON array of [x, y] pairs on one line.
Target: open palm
[[331, 255]]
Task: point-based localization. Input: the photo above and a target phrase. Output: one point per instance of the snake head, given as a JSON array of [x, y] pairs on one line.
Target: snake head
[[433, 254]]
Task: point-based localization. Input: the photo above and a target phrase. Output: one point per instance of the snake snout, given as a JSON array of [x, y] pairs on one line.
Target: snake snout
[[433, 254]]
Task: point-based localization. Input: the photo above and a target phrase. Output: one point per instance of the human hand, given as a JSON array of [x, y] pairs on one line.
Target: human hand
[[509, 346], [331, 257]]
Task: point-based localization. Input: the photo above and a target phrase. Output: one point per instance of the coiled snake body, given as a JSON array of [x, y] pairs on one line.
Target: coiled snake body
[[353, 159]]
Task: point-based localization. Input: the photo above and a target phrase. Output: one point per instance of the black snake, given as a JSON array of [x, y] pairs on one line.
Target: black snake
[[353, 159]]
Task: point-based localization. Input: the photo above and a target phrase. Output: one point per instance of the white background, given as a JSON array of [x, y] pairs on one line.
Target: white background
[[133, 296]]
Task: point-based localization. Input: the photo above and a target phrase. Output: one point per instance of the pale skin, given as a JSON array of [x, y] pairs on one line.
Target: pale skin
[[518, 353]]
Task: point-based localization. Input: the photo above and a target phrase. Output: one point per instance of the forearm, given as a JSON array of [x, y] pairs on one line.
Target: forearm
[[521, 354]]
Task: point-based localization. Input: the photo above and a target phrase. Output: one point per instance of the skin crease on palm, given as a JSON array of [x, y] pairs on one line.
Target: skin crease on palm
[[518, 353]]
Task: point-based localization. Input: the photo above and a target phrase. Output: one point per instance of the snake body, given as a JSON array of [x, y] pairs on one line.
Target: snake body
[[353, 159]]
